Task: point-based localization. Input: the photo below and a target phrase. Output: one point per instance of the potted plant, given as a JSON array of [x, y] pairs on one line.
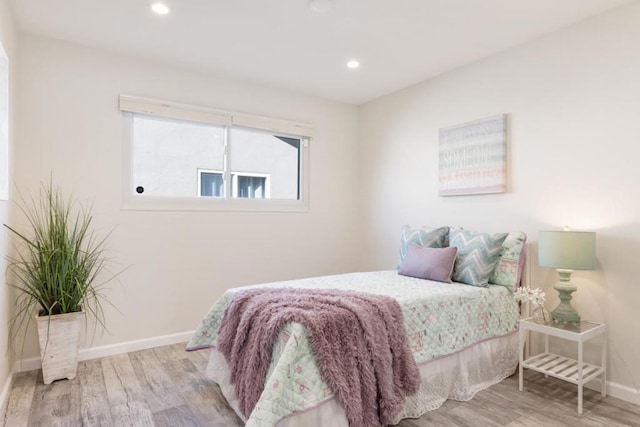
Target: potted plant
[[59, 271]]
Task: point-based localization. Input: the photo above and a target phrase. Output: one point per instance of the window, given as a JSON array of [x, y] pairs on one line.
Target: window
[[250, 186], [211, 184], [185, 157]]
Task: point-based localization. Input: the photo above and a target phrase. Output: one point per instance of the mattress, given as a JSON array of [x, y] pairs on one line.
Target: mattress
[[440, 320]]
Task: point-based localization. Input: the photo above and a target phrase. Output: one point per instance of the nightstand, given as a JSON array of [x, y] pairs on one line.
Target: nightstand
[[564, 368]]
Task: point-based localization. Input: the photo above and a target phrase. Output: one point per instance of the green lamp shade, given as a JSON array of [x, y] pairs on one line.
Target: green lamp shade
[[570, 250]]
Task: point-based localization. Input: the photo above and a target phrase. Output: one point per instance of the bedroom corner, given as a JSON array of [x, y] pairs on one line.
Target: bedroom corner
[[8, 39]]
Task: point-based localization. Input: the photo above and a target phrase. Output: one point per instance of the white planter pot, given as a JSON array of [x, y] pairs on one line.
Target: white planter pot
[[59, 337]]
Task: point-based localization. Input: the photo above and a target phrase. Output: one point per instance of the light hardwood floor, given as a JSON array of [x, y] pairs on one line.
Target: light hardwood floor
[[165, 386]]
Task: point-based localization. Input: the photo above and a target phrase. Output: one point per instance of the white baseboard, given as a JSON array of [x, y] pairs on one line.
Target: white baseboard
[[619, 391], [111, 350], [623, 392]]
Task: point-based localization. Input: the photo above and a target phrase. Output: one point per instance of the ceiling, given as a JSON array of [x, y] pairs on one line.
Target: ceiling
[[283, 44]]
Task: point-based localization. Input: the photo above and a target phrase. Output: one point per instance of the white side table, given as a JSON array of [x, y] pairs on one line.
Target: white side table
[[573, 371]]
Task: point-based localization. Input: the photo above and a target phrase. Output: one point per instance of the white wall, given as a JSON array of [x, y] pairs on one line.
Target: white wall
[[573, 100], [179, 262], [8, 37]]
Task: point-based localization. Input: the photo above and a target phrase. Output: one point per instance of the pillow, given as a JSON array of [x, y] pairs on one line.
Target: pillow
[[424, 237], [478, 254], [510, 266], [429, 263]]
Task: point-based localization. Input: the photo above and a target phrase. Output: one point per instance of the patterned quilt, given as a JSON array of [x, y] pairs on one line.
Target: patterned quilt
[[439, 319]]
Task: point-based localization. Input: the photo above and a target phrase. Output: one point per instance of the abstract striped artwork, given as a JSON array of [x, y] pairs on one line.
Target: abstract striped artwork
[[473, 157]]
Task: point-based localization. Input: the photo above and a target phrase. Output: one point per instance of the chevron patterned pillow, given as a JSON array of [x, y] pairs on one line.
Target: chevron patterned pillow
[[478, 255], [424, 236]]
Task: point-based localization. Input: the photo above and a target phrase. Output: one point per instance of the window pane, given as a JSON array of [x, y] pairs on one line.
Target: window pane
[[211, 184], [167, 155], [252, 187], [267, 165]]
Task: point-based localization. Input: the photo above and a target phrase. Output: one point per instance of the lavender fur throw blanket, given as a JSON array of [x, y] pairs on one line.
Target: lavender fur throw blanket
[[358, 340]]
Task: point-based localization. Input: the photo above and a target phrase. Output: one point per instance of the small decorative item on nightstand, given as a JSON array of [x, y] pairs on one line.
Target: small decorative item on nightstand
[[541, 315], [537, 299], [566, 251]]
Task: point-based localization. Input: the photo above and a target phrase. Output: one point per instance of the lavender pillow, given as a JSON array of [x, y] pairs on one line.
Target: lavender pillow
[[429, 263]]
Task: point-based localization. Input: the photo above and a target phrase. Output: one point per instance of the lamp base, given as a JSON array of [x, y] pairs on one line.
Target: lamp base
[[564, 312]]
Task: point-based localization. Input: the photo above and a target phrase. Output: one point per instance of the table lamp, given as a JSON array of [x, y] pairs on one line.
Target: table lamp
[[566, 251]]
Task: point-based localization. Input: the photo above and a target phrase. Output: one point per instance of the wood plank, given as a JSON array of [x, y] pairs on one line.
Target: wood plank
[[200, 358], [159, 389], [56, 404], [180, 416], [20, 399], [170, 353], [615, 411], [94, 403], [202, 395], [433, 418], [125, 393], [135, 413], [466, 415], [499, 411], [557, 397], [210, 404]]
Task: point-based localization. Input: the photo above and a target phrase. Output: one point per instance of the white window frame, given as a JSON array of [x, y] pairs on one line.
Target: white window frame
[[200, 172], [234, 182], [130, 106]]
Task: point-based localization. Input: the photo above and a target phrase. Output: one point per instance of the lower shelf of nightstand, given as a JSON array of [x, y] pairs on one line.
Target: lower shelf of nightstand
[[562, 367]]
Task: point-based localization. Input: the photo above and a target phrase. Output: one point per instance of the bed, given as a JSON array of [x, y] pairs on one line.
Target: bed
[[463, 339]]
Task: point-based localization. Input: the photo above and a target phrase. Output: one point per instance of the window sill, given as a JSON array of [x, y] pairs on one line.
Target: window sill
[[149, 203]]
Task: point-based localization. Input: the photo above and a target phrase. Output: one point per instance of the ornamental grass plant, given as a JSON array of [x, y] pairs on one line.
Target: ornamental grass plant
[[60, 264]]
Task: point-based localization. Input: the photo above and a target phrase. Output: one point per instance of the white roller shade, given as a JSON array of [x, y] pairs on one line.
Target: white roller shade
[[206, 115], [174, 110], [273, 125]]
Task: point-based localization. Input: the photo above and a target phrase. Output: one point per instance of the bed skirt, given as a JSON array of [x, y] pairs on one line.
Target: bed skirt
[[458, 376]]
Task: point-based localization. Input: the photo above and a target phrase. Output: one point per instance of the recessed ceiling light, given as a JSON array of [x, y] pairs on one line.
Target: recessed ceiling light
[[353, 64], [160, 8]]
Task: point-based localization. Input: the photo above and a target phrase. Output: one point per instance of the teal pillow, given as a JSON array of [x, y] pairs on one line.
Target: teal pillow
[[510, 265], [478, 255], [424, 237]]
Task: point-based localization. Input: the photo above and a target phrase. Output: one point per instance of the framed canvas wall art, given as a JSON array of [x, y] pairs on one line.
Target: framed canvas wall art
[[473, 157]]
